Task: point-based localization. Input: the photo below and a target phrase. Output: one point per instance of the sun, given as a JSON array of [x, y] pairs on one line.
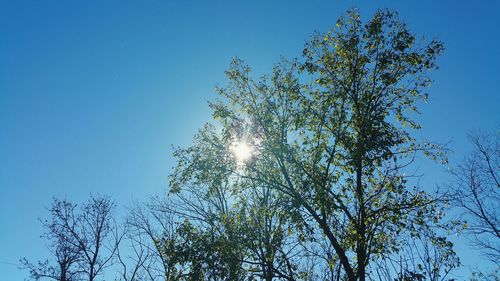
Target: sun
[[241, 150]]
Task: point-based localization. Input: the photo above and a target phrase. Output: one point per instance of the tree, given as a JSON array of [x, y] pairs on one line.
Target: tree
[[272, 250], [134, 263], [335, 149], [145, 226], [178, 249], [93, 231], [477, 193], [62, 247], [424, 258], [82, 241], [247, 229]]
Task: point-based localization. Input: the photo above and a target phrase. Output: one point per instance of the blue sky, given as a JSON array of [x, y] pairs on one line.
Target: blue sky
[[94, 93]]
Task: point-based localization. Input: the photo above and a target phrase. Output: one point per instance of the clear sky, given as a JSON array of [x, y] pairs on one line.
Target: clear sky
[[94, 93]]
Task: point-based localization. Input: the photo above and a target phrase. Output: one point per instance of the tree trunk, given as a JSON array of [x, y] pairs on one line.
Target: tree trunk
[[361, 246]]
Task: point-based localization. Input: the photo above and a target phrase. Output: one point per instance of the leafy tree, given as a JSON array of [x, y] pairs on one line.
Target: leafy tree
[[331, 135], [252, 222], [268, 235], [181, 250]]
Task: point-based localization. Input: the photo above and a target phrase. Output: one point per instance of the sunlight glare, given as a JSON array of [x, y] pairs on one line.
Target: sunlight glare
[[241, 150]]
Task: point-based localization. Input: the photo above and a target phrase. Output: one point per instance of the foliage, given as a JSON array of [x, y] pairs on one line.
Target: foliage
[[332, 135]]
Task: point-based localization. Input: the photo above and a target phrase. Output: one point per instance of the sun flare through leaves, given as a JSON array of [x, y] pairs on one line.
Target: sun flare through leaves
[[242, 151]]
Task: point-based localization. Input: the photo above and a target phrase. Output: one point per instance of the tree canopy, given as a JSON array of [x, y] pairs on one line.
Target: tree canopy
[[327, 138]]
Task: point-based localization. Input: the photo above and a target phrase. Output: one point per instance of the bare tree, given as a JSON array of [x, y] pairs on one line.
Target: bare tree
[[94, 235], [62, 247], [424, 256], [134, 261], [477, 193], [81, 240], [152, 233]]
